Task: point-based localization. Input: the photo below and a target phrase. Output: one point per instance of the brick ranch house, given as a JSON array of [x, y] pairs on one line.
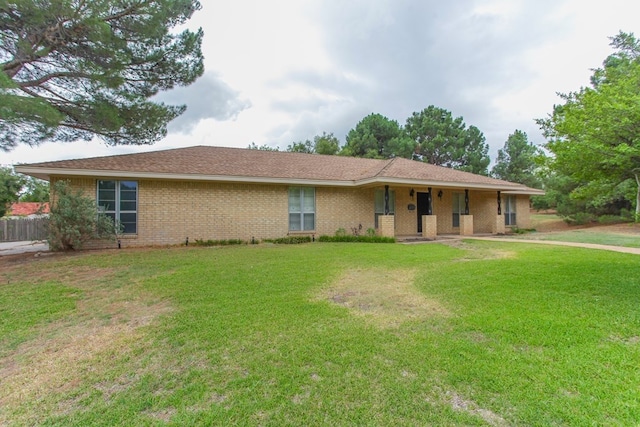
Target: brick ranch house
[[204, 192]]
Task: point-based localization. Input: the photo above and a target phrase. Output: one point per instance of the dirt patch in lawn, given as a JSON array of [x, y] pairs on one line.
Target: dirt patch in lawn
[[385, 297], [459, 403], [475, 252]]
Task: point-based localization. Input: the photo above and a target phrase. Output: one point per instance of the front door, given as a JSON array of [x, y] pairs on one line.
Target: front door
[[423, 208]]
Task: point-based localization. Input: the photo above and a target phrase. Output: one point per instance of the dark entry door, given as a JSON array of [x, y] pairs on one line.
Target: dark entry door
[[422, 208]]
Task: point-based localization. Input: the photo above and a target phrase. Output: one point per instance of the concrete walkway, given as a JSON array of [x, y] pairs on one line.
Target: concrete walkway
[[14, 248], [551, 242]]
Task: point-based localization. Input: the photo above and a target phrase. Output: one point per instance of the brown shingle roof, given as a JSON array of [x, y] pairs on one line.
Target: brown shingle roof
[[207, 162]]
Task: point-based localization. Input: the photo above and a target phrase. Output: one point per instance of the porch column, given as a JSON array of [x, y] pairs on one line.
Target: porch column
[[387, 225], [466, 201], [429, 226], [386, 200], [466, 225], [498, 226]]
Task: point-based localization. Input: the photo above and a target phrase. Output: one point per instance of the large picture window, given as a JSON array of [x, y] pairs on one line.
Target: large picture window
[[119, 200], [302, 209], [379, 204], [510, 210]]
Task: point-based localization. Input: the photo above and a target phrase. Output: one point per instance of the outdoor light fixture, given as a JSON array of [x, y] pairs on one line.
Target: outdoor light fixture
[[411, 193], [440, 194]]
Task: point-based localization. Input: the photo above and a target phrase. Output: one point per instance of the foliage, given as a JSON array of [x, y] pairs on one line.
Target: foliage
[[75, 219], [518, 230], [377, 137], [35, 190], [370, 232], [356, 238], [594, 133], [10, 186], [201, 242], [77, 69], [326, 143], [441, 140], [516, 161], [263, 147], [580, 218], [289, 240], [612, 219]]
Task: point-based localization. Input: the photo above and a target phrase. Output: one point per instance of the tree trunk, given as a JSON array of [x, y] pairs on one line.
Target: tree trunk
[[638, 198]]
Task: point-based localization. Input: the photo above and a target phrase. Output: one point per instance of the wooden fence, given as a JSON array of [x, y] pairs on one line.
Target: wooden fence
[[15, 230]]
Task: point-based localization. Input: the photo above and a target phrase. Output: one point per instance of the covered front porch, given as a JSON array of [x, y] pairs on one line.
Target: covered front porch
[[429, 213]]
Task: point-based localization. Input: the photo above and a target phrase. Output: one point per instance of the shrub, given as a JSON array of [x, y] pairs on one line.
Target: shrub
[[579, 218], [341, 232], [611, 219], [363, 239], [289, 240], [228, 242], [75, 219], [517, 230], [371, 232]]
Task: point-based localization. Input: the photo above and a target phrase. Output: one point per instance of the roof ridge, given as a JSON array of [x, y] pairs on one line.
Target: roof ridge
[[387, 165]]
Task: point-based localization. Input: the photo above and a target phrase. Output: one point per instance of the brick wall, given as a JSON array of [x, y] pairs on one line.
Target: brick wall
[[171, 211]]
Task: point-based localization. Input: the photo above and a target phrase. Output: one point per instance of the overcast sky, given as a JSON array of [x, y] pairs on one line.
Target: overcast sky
[[286, 70]]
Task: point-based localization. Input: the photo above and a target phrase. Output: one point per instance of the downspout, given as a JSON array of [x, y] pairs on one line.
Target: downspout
[[637, 198]]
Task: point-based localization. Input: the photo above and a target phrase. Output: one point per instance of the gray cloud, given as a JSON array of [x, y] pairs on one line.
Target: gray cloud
[[409, 54], [207, 98]]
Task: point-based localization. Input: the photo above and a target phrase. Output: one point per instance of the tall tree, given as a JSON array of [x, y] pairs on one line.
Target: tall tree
[[441, 139], [516, 161], [75, 69], [10, 187], [595, 133], [263, 147], [377, 137], [321, 144]]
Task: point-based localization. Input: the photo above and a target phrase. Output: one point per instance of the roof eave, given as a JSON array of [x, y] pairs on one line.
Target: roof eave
[[443, 184], [46, 173]]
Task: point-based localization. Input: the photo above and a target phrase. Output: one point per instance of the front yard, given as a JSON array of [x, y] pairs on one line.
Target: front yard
[[471, 333]]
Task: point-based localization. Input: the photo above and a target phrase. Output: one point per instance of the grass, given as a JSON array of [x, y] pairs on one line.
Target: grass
[[485, 333], [600, 238]]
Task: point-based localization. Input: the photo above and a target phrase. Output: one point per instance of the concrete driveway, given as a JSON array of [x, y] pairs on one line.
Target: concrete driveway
[[14, 248]]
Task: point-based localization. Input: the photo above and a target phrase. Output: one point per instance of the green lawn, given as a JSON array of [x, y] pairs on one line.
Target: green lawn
[[586, 236], [486, 333]]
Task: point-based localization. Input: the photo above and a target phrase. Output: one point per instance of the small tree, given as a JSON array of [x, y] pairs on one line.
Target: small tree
[[10, 186], [75, 219]]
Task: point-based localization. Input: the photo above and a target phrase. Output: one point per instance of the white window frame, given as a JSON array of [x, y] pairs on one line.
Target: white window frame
[[304, 213], [510, 217], [118, 211], [378, 205]]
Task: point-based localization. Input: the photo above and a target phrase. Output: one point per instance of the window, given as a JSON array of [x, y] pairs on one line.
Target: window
[[379, 204], [302, 209], [510, 210], [458, 208], [119, 200]]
